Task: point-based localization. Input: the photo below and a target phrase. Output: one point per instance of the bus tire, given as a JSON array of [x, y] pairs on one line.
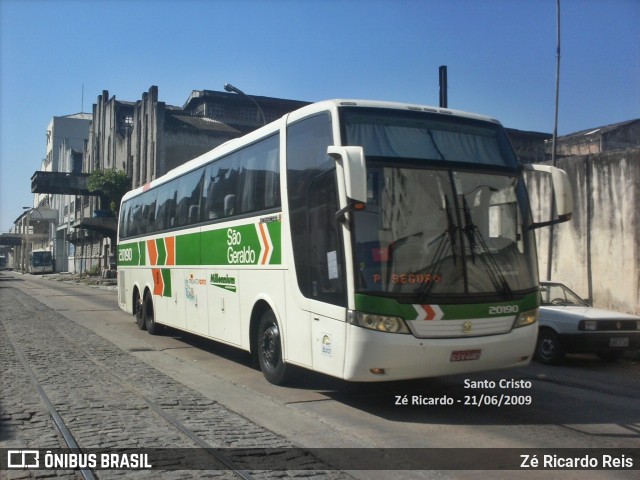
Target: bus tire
[[149, 318], [269, 347], [139, 311]]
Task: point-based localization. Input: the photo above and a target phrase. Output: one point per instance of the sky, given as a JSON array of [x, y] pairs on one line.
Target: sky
[[57, 56]]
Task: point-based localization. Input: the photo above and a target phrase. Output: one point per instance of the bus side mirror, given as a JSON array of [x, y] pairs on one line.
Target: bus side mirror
[[561, 193], [351, 161]]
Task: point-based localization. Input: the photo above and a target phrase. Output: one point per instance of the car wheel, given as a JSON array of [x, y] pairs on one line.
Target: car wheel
[[270, 350], [548, 348]]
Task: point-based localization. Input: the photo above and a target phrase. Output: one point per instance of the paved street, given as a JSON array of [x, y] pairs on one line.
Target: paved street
[[104, 397], [116, 386]]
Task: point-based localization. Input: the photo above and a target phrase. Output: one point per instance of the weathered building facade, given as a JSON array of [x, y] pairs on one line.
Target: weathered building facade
[[145, 139], [618, 136], [597, 253], [163, 137], [530, 147], [66, 139]]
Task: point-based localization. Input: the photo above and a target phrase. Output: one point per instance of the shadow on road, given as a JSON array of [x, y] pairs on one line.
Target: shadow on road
[[551, 395]]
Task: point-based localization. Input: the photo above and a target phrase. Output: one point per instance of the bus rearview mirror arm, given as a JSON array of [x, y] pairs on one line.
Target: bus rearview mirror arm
[[350, 161], [350, 164]]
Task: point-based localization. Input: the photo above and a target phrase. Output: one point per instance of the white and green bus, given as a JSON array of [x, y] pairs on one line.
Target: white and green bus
[[365, 240]]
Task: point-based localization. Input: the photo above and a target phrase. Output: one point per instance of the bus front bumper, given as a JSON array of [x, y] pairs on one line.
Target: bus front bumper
[[375, 357]]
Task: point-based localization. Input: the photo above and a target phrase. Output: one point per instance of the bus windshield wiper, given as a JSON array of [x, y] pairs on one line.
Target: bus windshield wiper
[[447, 237], [475, 238]]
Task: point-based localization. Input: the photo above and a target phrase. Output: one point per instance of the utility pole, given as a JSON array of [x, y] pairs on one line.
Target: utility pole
[[555, 136]]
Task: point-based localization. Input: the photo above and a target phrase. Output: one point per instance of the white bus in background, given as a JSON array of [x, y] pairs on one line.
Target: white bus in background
[[41, 261], [370, 241]]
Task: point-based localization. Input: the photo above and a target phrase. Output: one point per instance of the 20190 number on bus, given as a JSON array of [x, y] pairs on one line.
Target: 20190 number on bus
[[365, 240]]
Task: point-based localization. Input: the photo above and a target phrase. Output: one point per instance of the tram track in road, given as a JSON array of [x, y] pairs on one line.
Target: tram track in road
[[73, 446], [103, 398], [69, 441]]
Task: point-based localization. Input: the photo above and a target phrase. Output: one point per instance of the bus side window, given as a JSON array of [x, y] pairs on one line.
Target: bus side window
[[258, 186], [272, 180], [307, 142], [148, 211], [326, 259], [225, 189], [248, 185], [164, 206], [124, 219], [135, 219], [189, 187], [213, 206]]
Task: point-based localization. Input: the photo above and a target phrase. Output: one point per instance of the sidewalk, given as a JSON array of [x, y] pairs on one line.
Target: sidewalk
[[91, 280]]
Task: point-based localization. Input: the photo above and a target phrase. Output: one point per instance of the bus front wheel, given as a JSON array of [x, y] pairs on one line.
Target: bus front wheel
[[270, 350]]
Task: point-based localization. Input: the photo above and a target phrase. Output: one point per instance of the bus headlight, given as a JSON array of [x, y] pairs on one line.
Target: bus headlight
[[380, 323], [528, 317]]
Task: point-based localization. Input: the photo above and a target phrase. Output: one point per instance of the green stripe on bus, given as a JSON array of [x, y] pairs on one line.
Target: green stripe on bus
[[166, 278], [251, 244], [142, 253], [131, 254], [214, 247], [384, 306], [275, 232], [162, 251], [188, 249], [388, 306]]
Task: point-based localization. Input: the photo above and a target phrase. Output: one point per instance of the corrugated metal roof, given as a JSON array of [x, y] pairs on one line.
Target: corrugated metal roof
[[600, 130], [81, 116], [179, 119]]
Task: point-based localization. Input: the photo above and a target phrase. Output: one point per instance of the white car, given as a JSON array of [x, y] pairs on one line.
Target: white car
[[568, 324]]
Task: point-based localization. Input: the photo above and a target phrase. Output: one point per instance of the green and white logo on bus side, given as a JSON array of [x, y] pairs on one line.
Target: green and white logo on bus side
[[223, 281]]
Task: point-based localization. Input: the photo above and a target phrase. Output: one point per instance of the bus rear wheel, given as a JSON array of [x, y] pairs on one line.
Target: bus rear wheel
[[149, 318], [270, 350], [139, 311]]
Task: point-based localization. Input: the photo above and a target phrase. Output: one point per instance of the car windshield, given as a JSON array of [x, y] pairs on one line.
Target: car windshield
[[559, 295]]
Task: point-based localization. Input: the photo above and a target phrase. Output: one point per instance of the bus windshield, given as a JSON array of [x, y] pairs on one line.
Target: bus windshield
[[424, 136], [445, 216], [41, 259]]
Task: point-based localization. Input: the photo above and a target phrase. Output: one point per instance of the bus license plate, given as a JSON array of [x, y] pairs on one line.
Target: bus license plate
[[464, 355], [619, 342]]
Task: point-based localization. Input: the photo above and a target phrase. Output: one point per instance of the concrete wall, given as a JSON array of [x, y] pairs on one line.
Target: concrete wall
[[597, 253], [182, 147], [160, 143]]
